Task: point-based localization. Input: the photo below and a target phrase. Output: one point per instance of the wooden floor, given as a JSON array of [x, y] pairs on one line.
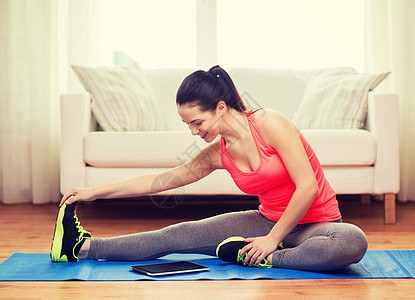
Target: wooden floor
[[28, 228]]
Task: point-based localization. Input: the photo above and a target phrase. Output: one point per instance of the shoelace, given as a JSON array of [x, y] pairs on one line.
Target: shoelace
[[78, 225], [262, 264]]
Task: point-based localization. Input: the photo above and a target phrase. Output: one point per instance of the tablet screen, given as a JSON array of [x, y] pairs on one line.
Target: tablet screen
[[171, 268]]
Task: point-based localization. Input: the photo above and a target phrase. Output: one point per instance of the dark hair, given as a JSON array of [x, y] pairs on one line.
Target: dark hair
[[206, 89]]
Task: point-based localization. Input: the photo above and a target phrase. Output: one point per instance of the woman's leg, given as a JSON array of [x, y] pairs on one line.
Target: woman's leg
[[321, 247], [188, 237]]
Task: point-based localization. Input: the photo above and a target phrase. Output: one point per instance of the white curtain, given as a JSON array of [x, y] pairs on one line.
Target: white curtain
[[29, 110], [390, 45], [38, 41]]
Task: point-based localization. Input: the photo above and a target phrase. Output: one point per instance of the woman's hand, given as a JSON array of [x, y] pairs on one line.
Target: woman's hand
[[77, 195], [258, 249]]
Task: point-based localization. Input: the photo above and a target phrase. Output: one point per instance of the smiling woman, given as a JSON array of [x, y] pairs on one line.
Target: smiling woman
[[201, 94], [203, 122], [266, 155]]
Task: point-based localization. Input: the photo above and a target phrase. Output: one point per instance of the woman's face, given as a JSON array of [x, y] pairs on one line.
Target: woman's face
[[205, 124]]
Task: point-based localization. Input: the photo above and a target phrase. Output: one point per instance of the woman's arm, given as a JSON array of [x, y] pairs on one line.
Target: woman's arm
[[204, 163], [283, 136]]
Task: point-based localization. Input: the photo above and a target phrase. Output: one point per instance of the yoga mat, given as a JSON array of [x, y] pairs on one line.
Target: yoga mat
[[38, 267]]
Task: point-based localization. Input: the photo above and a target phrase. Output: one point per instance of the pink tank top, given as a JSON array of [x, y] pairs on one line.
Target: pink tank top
[[273, 185]]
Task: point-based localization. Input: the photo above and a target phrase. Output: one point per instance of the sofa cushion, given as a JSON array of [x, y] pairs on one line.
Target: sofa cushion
[[342, 147], [169, 149], [278, 89], [164, 83], [158, 149], [122, 99], [336, 99]]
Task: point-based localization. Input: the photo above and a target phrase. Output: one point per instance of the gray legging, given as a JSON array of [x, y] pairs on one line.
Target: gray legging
[[316, 246]]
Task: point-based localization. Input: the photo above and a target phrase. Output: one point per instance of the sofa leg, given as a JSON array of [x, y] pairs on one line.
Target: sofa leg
[[390, 209], [365, 199]]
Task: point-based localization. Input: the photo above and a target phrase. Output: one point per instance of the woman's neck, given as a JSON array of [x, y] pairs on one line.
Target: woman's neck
[[234, 126]]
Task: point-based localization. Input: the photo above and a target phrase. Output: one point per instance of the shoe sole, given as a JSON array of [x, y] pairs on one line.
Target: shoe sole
[[58, 236], [231, 239]]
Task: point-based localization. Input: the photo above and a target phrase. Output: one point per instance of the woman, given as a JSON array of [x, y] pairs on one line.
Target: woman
[[298, 224]]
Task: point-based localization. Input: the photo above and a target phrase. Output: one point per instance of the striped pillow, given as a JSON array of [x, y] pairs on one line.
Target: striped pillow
[[121, 98], [336, 100]]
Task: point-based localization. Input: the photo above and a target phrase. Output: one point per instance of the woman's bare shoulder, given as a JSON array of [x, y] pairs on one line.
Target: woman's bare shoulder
[[272, 123], [268, 117]]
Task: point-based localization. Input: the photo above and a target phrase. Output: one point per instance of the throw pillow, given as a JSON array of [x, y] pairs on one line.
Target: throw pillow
[[121, 98], [336, 100]]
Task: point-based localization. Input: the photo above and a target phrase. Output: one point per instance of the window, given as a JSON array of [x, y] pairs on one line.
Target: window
[[241, 33], [155, 33], [292, 34]]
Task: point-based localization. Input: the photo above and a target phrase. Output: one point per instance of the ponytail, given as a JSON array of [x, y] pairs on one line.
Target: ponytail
[[206, 89]]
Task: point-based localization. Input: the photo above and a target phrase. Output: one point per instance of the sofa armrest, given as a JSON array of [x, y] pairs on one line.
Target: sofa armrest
[[383, 123], [75, 123]]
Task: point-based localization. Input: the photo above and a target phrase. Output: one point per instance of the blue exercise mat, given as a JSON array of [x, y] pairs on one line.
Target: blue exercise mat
[[38, 267]]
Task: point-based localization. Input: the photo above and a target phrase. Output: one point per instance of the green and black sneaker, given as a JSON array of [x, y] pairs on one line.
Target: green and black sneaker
[[69, 235], [230, 249]]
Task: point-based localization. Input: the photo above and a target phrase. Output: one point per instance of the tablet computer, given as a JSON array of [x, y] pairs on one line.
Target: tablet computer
[[170, 268]]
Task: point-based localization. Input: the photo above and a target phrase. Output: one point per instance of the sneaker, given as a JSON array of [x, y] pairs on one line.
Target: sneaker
[[69, 236], [230, 249]]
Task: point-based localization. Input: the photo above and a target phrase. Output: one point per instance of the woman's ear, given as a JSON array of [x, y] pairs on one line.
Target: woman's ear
[[221, 108]]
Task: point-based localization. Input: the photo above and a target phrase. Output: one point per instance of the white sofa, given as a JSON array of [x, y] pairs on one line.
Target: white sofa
[[362, 161]]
